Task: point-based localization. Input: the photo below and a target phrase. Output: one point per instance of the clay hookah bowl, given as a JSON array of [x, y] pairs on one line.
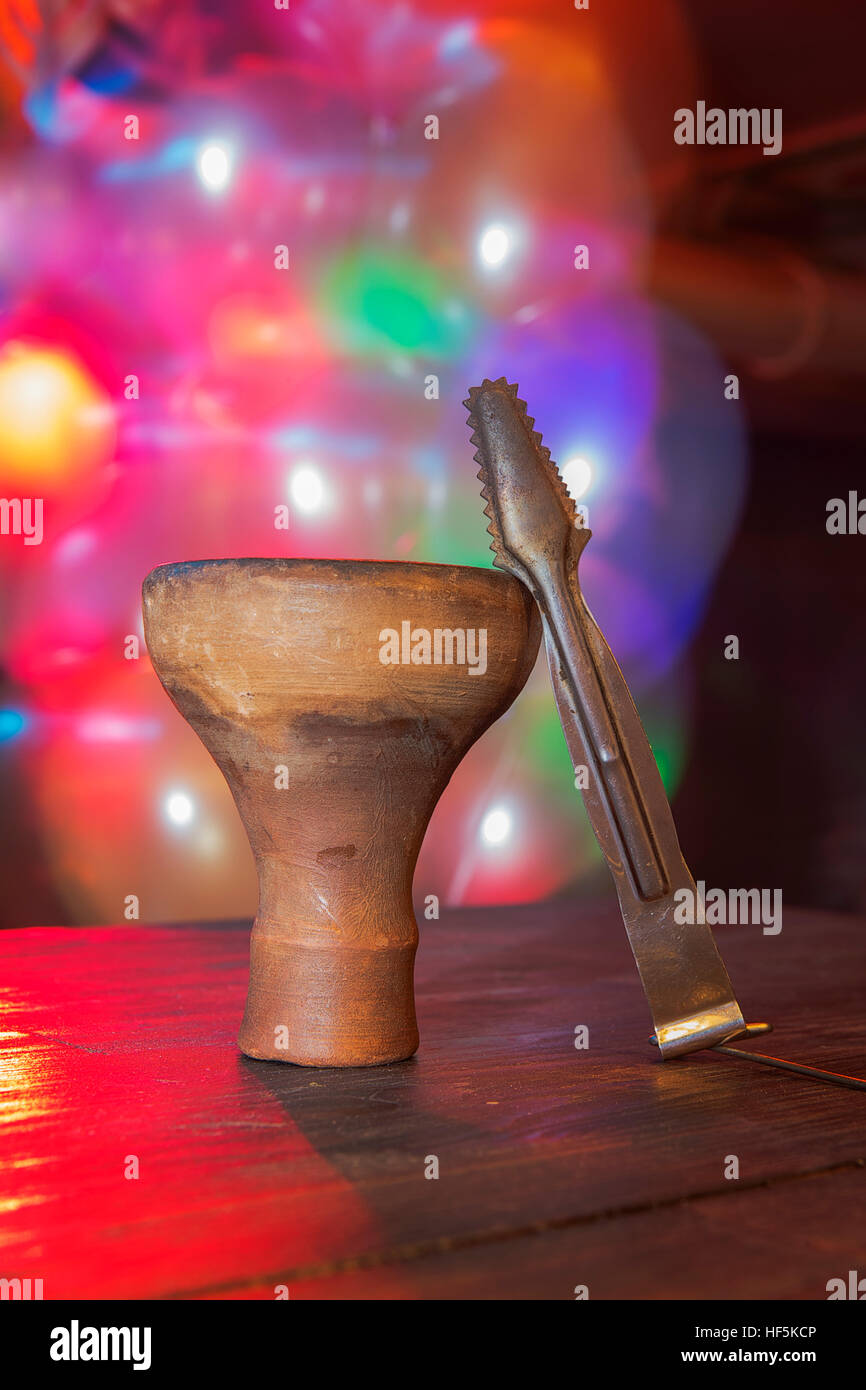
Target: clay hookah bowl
[[335, 758]]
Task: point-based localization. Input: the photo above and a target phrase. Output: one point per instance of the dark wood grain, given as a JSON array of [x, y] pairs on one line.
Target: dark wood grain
[[557, 1166]]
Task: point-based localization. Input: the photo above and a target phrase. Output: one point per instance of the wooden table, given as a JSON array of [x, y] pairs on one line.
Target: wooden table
[[558, 1167]]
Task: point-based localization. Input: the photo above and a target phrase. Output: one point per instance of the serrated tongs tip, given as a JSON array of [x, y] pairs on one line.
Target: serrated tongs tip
[[521, 485]]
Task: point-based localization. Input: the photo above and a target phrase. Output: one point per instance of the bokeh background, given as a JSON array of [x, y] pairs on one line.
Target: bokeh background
[[154, 259]]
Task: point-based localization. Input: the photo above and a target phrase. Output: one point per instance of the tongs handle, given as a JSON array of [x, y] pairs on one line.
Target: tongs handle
[[685, 981], [611, 738]]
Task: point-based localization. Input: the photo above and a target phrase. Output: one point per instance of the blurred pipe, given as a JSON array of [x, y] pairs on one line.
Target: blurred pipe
[[772, 309]]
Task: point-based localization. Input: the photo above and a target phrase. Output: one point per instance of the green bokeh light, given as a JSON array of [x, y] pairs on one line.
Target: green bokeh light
[[384, 303], [546, 749], [668, 743]]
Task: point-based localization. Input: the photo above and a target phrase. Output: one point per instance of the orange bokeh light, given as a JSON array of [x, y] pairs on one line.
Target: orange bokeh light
[[56, 422]]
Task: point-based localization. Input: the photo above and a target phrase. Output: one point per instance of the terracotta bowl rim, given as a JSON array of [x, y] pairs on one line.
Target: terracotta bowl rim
[[408, 568]]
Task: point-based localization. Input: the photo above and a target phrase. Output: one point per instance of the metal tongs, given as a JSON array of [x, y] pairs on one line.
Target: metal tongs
[[538, 536]]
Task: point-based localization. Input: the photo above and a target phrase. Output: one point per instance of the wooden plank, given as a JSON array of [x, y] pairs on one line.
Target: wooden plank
[[120, 1042], [783, 1241]]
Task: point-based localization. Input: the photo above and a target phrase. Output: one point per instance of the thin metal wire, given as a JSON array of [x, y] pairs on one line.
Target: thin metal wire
[[754, 1030], [854, 1083]]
